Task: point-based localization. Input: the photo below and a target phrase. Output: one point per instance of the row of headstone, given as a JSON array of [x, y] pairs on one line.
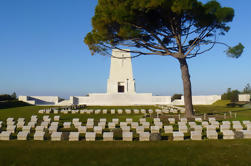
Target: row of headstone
[[126, 136], [210, 124], [211, 127], [112, 111], [139, 127]]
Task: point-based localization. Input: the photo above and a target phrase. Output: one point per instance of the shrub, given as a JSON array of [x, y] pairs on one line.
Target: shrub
[[247, 89], [5, 97], [14, 95], [176, 96], [231, 95]]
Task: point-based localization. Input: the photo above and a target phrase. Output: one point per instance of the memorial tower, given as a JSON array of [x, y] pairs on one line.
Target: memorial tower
[[121, 76]]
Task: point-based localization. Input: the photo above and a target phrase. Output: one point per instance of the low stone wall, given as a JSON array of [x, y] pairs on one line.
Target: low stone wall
[[25, 99], [161, 100], [199, 100], [40, 100], [117, 100], [64, 103], [244, 97], [44, 100]]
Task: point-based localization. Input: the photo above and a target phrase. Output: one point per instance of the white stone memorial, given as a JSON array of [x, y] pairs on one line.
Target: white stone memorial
[[228, 134], [136, 111], [115, 120], [97, 129], [39, 135], [45, 124], [53, 129], [67, 125], [212, 134], [144, 136], [111, 125], [108, 136], [134, 125], [56, 136], [32, 124], [246, 122], [77, 124], [139, 129], [168, 129], [246, 134], [102, 124], [146, 125], [192, 124], [178, 136], [11, 129], [129, 120], [125, 128], [160, 124], [104, 111], [183, 120], [128, 111], [120, 111], [22, 135], [56, 118], [225, 127], [171, 120], [204, 124], [198, 119], [155, 129], [20, 124], [183, 129], [89, 125], [143, 111], [141, 120], [198, 128], [5, 136], [127, 136], [39, 128], [90, 136], [211, 128], [122, 124], [113, 111], [74, 136], [82, 129], [196, 135]]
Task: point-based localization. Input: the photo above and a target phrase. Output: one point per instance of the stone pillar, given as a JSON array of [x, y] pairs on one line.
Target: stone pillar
[[121, 76]]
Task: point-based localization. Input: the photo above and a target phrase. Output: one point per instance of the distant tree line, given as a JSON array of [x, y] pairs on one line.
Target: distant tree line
[[7, 97], [247, 89], [232, 95]]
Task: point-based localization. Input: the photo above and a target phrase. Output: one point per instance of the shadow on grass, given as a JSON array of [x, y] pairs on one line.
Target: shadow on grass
[[13, 104]]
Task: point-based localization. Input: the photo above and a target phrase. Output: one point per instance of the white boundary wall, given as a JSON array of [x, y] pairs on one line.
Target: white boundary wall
[[123, 99], [244, 97], [40, 100], [117, 99], [199, 100]]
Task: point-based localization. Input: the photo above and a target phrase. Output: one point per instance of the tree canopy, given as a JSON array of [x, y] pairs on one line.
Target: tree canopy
[[247, 89], [231, 95], [179, 28], [182, 29]]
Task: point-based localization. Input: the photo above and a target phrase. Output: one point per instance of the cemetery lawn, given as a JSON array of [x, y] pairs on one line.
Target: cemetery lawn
[[161, 153]]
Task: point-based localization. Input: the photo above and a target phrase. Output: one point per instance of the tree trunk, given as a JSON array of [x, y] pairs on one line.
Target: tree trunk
[[187, 88]]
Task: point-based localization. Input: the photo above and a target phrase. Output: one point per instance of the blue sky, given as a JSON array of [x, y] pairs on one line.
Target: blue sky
[[42, 53]]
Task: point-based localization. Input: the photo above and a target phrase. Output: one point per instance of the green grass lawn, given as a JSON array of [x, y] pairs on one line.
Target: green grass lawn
[[27, 111], [220, 108], [161, 153]]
